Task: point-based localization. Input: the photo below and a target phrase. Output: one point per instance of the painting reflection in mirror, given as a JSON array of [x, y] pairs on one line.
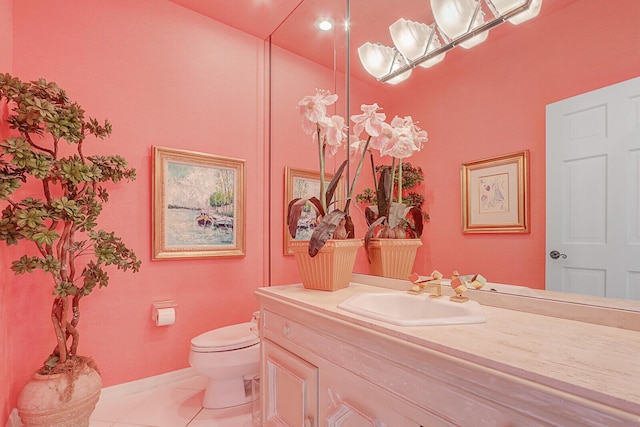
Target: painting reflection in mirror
[[495, 194], [301, 184]]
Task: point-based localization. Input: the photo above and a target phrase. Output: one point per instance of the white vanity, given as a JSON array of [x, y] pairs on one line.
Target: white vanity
[[323, 366]]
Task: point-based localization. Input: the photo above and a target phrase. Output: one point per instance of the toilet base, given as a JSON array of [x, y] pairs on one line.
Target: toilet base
[[223, 393]]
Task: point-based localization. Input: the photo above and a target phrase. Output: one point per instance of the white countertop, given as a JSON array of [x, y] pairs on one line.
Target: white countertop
[[600, 363]]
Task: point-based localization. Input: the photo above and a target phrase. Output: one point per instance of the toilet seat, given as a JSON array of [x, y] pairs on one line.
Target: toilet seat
[[233, 337]]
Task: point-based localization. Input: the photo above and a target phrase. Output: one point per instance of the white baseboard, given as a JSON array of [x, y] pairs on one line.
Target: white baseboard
[[14, 419], [144, 384]]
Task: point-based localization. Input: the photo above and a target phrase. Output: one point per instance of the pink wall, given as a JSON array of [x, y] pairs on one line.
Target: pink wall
[[6, 371], [490, 100], [163, 76]]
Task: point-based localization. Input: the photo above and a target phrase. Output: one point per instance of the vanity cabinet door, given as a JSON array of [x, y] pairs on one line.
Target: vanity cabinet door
[[290, 393], [347, 400]]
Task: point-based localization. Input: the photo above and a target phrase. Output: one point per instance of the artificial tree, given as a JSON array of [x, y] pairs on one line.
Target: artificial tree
[[45, 154]]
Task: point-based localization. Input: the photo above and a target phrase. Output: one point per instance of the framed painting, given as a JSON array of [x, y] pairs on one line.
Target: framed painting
[[495, 194], [303, 183], [198, 205]]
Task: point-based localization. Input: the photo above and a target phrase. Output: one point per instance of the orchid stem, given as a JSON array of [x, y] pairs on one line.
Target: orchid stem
[[373, 169], [356, 175], [400, 181], [393, 180], [323, 190]]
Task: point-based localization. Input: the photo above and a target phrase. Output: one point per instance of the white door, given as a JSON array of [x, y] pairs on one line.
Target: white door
[[593, 193]]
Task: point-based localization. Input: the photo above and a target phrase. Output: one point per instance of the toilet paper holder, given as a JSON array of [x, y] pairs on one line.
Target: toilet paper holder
[[159, 305]]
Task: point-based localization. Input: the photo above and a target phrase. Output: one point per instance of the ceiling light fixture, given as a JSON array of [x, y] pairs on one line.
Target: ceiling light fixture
[[414, 39], [380, 60], [458, 22], [324, 24]]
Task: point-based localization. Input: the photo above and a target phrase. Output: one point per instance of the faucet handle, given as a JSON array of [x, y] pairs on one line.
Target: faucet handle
[[459, 287], [478, 281], [431, 282]]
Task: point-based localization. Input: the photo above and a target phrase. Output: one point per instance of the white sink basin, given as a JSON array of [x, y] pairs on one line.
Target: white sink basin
[[405, 309]]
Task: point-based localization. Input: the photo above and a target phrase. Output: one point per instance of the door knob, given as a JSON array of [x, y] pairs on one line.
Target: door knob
[[556, 255]]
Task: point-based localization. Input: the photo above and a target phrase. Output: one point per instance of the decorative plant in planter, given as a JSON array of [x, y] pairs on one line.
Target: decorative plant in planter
[[329, 133], [333, 270], [47, 152], [396, 218], [403, 217], [388, 214]]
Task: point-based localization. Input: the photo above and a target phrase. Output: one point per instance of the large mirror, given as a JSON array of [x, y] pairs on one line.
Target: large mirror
[[303, 58], [477, 103]]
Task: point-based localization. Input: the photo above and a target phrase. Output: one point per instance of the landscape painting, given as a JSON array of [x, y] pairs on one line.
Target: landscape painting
[[198, 205], [302, 183]]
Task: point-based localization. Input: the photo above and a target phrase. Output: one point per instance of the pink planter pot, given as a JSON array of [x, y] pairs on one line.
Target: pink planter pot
[[393, 257], [51, 401], [331, 268]]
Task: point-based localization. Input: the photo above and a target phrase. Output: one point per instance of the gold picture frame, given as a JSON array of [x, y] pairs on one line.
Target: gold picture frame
[[198, 203], [495, 194], [303, 183]]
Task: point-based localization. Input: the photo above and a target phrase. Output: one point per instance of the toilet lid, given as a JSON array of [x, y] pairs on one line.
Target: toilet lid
[[227, 338]]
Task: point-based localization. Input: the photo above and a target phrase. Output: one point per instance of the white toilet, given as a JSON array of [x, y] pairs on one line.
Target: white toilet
[[230, 358]]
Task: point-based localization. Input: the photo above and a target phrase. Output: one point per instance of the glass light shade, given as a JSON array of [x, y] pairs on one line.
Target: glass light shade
[[532, 12], [476, 40], [454, 16], [380, 60], [504, 6], [411, 39], [399, 62]]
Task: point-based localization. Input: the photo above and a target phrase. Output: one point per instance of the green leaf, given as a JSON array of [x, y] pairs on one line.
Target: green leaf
[[294, 212], [24, 265], [416, 225], [113, 168], [45, 237], [65, 289], [29, 218], [369, 235], [8, 186], [50, 264], [51, 362], [384, 192], [331, 188], [8, 232], [324, 231], [65, 206]]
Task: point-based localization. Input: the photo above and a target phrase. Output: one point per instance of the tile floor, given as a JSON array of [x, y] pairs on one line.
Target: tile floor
[[177, 404]]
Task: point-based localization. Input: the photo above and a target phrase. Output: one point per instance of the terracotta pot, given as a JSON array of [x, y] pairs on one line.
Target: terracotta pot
[[393, 257], [47, 400], [331, 268]]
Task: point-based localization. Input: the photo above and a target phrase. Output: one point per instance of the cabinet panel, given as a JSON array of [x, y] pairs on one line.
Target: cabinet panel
[[290, 388], [346, 400]]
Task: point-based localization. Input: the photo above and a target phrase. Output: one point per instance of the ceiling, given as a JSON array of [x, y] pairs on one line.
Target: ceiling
[[370, 20], [264, 18], [256, 17]]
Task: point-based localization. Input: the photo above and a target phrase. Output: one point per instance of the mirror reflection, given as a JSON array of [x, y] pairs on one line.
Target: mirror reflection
[[477, 103]]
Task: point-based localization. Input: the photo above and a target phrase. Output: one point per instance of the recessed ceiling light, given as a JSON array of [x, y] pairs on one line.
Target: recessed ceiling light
[[324, 24]]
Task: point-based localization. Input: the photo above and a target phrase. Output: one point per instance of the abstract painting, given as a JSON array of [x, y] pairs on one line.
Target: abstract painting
[[495, 194]]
